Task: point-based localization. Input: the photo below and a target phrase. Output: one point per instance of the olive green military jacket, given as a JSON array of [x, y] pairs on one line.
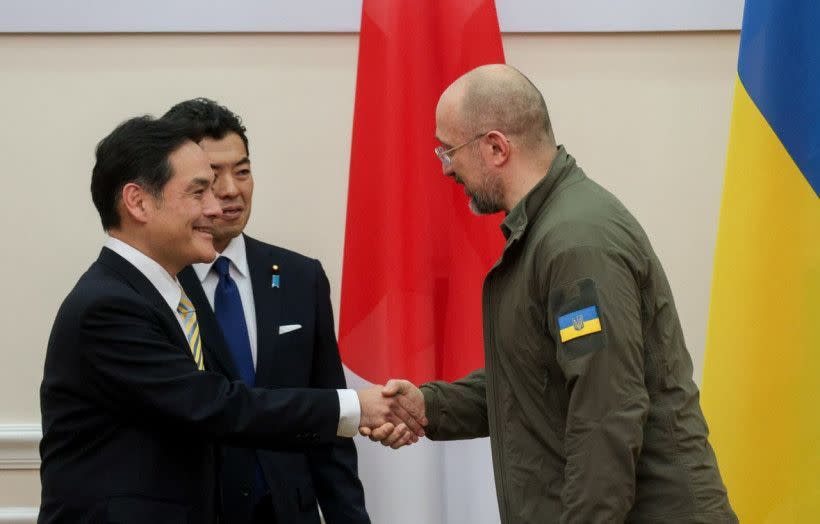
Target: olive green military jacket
[[587, 394]]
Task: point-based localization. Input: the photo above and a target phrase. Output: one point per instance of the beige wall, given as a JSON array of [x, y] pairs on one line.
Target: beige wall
[[645, 114]]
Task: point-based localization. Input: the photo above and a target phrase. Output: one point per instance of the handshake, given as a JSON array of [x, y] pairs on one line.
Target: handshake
[[392, 414]]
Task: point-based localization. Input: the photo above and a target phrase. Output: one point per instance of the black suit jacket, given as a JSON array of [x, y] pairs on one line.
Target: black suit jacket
[[130, 424], [307, 357]]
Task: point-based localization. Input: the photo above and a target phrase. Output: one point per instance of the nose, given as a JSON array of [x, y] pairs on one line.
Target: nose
[[225, 186], [210, 205]]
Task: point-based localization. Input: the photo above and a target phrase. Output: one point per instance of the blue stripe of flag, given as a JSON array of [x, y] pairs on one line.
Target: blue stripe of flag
[[588, 313], [779, 65]]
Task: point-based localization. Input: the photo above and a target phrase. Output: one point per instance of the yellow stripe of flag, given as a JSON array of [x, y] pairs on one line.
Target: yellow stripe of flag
[[590, 326], [763, 341]]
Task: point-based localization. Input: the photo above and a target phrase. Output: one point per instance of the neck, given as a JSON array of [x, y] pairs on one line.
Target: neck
[[220, 244], [144, 247], [528, 173]]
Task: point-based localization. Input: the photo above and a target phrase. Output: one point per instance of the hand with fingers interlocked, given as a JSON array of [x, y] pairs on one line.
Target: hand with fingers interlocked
[[405, 426]]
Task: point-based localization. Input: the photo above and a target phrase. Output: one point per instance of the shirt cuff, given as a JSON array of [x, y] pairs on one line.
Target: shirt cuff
[[350, 413]]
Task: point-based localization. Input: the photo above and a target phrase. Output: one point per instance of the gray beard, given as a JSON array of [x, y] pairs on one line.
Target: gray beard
[[483, 207], [487, 199]]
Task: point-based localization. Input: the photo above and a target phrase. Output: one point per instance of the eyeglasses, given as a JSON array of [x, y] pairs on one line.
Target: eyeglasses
[[446, 155]]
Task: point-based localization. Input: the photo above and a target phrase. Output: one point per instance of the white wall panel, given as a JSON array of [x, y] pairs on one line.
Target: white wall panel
[[344, 15]]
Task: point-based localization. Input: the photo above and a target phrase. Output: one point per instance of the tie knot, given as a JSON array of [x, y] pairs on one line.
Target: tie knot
[[221, 265]]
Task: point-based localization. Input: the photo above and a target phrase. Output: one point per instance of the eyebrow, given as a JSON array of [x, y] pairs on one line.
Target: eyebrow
[[199, 182], [243, 160]]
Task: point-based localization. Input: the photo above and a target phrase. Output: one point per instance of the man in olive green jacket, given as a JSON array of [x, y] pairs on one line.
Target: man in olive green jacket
[[587, 394]]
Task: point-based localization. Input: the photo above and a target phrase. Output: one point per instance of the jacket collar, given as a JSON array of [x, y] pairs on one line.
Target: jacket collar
[[142, 285], [162, 281], [530, 206], [268, 303]]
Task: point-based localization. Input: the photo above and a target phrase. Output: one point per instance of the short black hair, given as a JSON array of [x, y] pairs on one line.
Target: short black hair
[[212, 120], [137, 151]]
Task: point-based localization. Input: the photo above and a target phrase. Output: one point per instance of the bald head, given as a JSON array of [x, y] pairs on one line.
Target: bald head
[[498, 96]]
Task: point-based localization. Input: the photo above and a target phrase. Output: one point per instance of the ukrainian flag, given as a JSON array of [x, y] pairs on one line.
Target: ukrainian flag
[[762, 374], [579, 323]]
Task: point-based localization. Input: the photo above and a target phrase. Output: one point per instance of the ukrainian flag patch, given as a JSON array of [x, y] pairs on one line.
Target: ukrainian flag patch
[[579, 323]]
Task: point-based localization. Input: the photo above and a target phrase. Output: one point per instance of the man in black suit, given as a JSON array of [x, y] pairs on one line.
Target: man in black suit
[[131, 411], [292, 342]]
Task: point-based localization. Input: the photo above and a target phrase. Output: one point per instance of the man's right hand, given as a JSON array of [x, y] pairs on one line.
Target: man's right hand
[[393, 407], [410, 402]]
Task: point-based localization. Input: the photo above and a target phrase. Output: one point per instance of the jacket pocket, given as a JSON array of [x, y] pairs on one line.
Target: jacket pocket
[[136, 509]]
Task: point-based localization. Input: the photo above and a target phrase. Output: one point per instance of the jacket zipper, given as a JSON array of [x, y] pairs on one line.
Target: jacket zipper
[[503, 506]]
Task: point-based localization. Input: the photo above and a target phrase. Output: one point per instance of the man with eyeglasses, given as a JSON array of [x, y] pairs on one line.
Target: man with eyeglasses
[[587, 392]]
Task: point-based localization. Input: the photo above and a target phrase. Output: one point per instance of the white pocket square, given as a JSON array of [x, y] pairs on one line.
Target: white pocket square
[[288, 328]]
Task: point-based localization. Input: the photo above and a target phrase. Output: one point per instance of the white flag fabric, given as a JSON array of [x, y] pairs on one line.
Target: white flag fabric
[[427, 482]]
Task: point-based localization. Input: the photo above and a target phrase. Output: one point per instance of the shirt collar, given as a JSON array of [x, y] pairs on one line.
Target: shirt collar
[[164, 282], [235, 252]]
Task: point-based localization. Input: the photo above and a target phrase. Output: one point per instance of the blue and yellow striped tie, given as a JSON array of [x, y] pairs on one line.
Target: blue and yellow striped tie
[[188, 314]]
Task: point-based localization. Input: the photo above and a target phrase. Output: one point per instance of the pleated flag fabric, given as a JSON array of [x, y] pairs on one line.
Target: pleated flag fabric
[[762, 365], [415, 257]]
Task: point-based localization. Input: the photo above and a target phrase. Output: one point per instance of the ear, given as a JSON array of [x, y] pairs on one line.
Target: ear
[[136, 202], [499, 148]]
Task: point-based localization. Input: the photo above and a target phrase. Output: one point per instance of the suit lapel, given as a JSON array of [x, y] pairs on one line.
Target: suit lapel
[[267, 301], [217, 354], [144, 287]]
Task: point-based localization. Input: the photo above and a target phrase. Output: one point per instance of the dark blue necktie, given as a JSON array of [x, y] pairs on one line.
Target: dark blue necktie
[[231, 318]]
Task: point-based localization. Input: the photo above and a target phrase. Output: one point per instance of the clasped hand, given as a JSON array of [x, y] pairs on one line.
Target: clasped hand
[[392, 414]]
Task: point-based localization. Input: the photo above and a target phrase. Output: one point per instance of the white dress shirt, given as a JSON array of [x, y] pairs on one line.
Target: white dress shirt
[[349, 408]]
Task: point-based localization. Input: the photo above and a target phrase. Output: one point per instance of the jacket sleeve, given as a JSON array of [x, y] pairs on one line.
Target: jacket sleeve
[[333, 468], [603, 364], [457, 410], [138, 372]]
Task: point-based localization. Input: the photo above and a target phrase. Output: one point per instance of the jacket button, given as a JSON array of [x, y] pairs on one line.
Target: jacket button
[[246, 493]]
